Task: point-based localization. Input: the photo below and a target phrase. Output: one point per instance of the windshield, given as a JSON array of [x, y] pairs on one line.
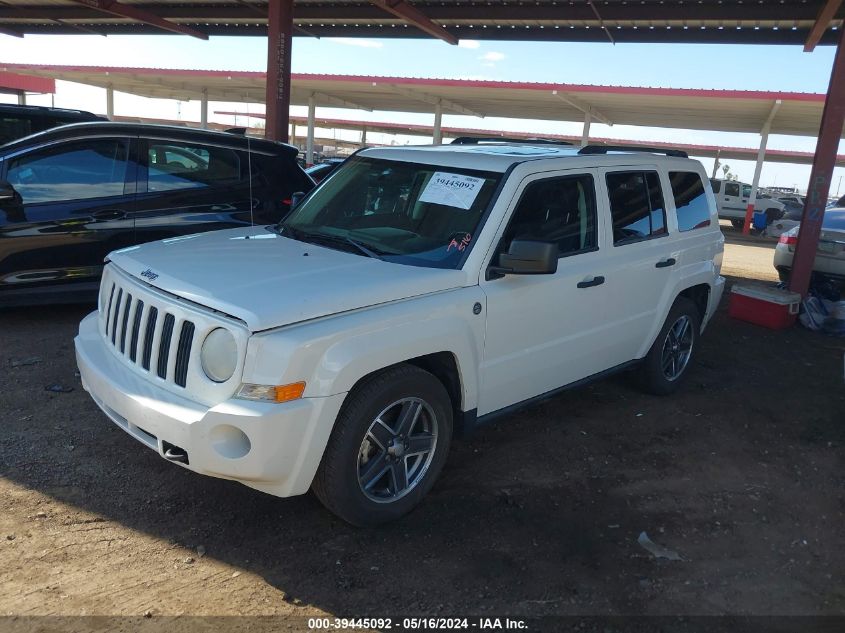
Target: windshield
[[407, 213]]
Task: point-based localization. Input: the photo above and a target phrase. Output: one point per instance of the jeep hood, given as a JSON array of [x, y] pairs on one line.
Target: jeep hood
[[267, 280]]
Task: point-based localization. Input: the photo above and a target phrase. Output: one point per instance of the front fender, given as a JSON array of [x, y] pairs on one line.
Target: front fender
[[333, 353]]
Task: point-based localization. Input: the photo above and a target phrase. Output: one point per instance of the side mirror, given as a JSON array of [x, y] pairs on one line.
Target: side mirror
[[296, 198], [7, 191], [525, 257]]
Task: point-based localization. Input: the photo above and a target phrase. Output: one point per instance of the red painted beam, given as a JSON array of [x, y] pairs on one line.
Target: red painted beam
[[113, 7], [27, 83], [822, 23], [417, 18], [279, 39], [833, 118]]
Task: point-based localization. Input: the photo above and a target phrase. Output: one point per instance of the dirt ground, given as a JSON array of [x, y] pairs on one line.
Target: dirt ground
[[741, 473]]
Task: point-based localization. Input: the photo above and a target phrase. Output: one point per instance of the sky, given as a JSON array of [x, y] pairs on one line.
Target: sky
[[732, 67]]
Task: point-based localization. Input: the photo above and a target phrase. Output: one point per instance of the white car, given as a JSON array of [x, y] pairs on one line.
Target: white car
[[417, 292], [732, 201]]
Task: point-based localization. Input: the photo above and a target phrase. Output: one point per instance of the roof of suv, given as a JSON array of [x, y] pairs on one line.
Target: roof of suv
[[99, 128], [57, 113], [501, 156]]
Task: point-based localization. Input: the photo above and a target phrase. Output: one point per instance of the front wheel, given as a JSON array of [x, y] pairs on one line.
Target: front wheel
[[665, 366], [389, 444], [738, 224]]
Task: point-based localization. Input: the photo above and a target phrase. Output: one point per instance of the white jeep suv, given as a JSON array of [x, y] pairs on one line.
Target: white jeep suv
[[418, 292]]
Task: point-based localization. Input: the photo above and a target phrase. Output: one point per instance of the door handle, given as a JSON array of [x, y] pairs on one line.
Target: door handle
[[595, 281], [665, 263], [109, 214]]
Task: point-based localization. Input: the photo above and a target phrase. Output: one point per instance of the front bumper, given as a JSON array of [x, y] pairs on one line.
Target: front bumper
[[272, 447]]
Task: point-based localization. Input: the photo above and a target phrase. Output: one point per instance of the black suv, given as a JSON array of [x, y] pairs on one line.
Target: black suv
[[17, 121], [71, 195]]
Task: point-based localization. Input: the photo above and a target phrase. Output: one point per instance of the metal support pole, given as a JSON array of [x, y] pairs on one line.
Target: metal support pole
[[277, 98], [585, 133], [309, 139], [292, 139], [364, 135], [110, 102], [21, 98], [438, 118], [758, 167], [716, 164], [204, 109], [827, 144]]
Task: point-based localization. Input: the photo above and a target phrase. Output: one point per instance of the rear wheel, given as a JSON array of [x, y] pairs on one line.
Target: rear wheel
[[773, 215], [665, 366], [389, 444]]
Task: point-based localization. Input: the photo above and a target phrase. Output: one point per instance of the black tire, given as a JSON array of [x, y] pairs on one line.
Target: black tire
[[773, 215], [338, 482], [653, 376], [738, 224]]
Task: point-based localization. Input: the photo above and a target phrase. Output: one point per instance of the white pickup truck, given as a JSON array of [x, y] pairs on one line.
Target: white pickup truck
[[417, 292], [732, 202]]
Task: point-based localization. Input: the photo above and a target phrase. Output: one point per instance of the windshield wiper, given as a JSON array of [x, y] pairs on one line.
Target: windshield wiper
[[367, 251], [283, 229], [305, 236]]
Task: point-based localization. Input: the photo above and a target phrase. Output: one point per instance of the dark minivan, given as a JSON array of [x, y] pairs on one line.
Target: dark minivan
[[71, 195], [17, 121]]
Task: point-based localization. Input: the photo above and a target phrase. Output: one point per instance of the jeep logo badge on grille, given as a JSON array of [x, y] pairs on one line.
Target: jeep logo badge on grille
[[149, 275]]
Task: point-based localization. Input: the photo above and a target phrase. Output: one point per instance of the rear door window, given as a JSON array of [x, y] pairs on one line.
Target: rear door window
[[636, 206], [690, 200], [79, 170], [175, 165], [731, 189]]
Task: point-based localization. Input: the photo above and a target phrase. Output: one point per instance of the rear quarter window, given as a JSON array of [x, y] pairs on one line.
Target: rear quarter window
[[690, 200], [12, 128]]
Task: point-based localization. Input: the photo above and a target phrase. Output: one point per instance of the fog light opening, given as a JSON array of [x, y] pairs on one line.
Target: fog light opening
[[229, 442]]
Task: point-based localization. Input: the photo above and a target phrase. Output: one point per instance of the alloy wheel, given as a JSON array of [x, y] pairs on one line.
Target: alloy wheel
[[397, 450], [677, 348]]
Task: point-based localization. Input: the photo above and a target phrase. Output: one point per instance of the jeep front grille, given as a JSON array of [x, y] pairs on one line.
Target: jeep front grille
[[136, 329]]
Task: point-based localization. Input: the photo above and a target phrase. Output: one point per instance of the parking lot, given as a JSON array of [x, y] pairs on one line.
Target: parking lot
[[741, 473]]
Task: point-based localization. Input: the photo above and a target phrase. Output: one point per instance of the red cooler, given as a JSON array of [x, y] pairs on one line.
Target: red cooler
[[770, 307]]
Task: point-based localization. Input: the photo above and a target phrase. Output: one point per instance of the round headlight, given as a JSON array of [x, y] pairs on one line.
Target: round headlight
[[219, 355]]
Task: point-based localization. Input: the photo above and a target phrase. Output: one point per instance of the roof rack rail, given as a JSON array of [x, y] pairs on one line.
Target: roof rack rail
[[240, 131], [476, 140], [604, 149]]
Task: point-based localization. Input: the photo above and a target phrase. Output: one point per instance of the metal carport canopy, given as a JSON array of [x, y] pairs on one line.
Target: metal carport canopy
[[724, 21], [411, 129], [720, 110]]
